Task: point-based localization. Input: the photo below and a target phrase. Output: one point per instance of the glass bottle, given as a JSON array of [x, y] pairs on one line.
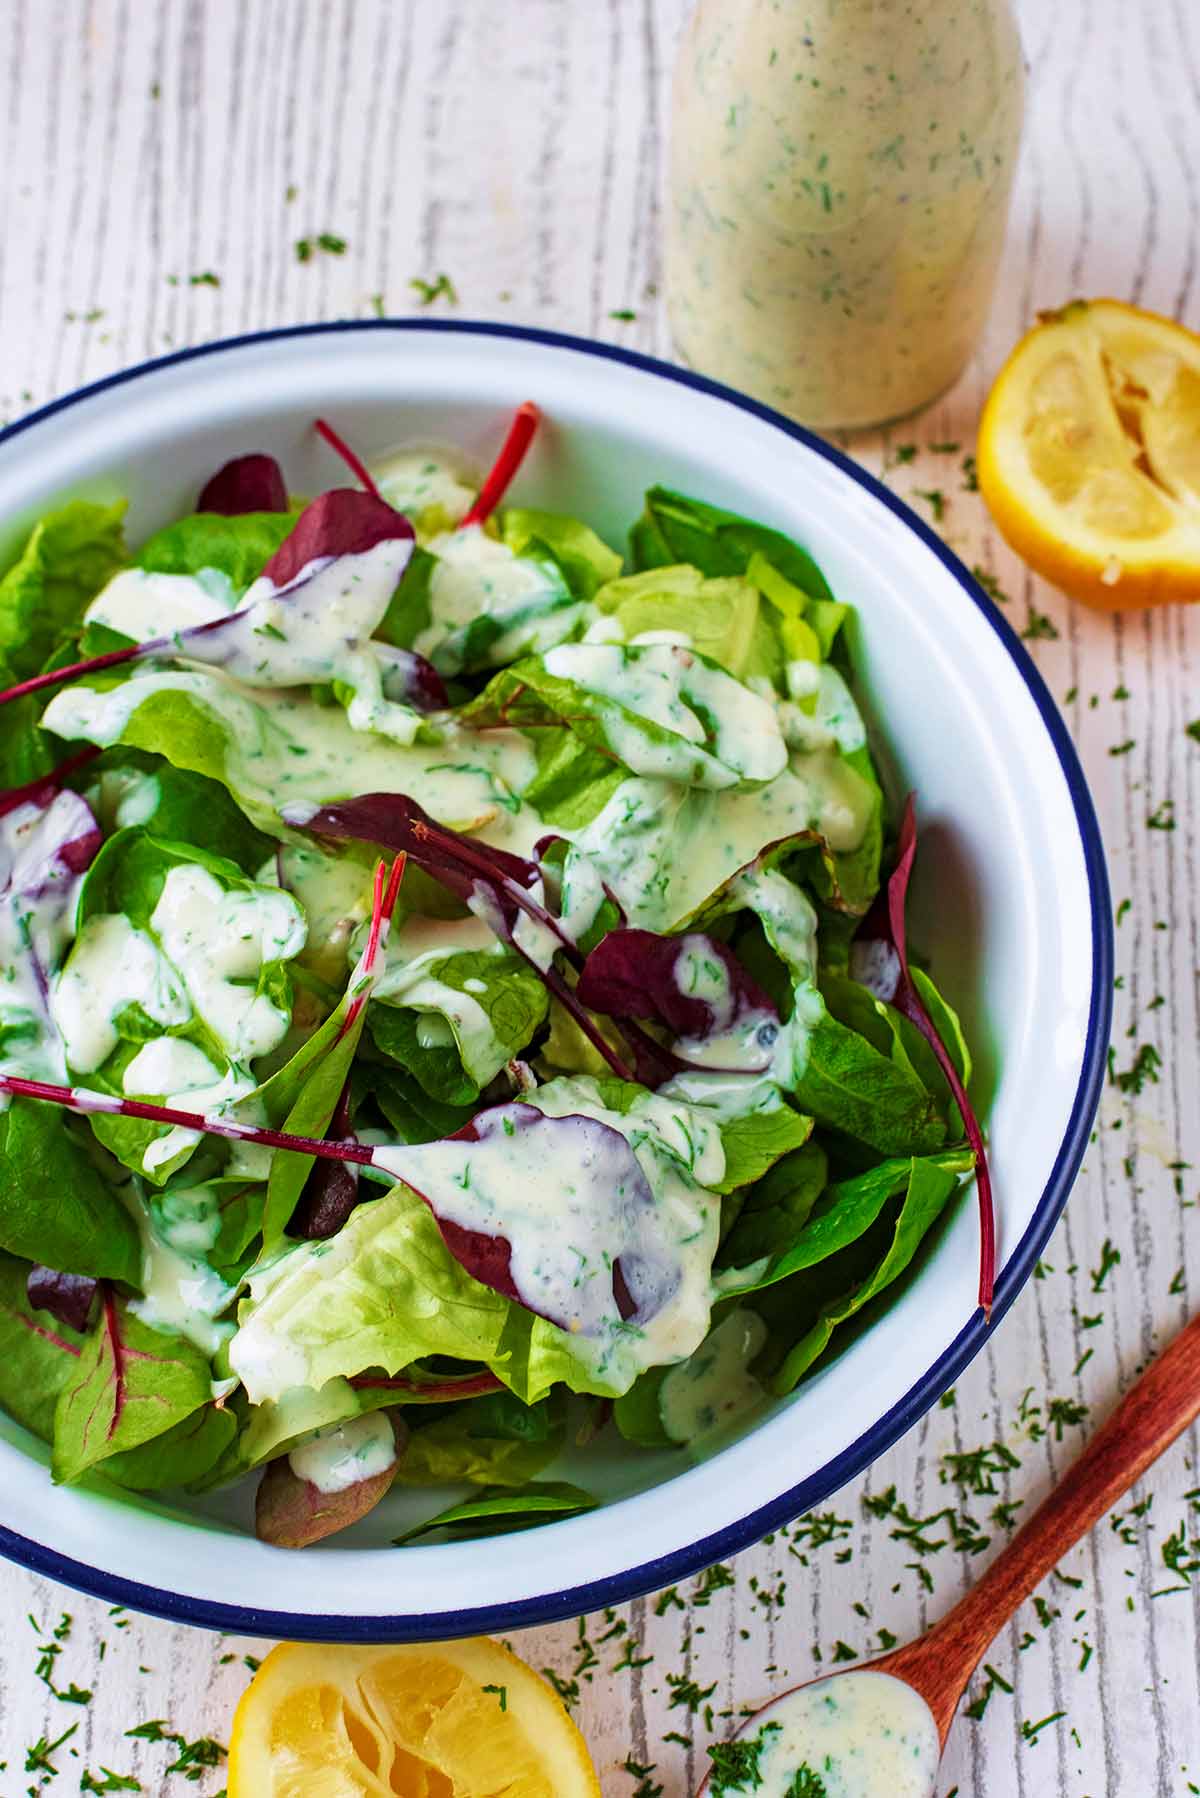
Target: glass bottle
[[840, 180]]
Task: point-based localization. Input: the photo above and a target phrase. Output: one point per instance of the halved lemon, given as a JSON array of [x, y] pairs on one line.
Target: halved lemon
[[447, 1720], [1089, 454]]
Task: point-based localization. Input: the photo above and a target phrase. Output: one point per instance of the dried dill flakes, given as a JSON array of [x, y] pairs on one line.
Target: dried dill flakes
[[1109, 1258], [1162, 817], [714, 1579], [641, 1771], [1039, 626], [1123, 910], [501, 1694], [1062, 1413], [970, 474], [1123, 748], [935, 499], [328, 241], [108, 1781], [976, 1468], [440, 288], [899, 457], [992, 588], [1192, 730], [1144, 1068], [567, 1689], [37, 1758], [1031, 1731], [623, 315], [192, 1758]]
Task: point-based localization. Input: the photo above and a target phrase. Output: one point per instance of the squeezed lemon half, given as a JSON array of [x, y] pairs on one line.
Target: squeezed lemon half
[[1089, 454], [447, 1720]]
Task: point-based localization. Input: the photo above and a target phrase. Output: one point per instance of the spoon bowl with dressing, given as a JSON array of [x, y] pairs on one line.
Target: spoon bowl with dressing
[[877, 1731]]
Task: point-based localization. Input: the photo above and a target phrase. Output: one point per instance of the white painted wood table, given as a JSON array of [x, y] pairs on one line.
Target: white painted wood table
[[159, 164]]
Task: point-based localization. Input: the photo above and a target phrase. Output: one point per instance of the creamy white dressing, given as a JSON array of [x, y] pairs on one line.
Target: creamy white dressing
[[113, 965], [568, 1221], [664, 849], [181, 1293], [720, 733], [283, 749], [713, 1391], [431, 487], [219, 940], [345, 1454], [143, 605], [335, 894], [39, 894], [476, 576], [863, 1734], [415, 951]]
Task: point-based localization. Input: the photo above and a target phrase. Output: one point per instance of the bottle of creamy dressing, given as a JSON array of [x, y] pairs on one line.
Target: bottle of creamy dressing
[[840, 178]]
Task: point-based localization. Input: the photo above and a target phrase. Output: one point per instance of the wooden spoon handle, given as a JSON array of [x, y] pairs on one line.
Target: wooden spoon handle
[[1153, 1412]]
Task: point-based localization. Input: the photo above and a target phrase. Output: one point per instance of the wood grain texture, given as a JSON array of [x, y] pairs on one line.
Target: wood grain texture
[[519, 148]]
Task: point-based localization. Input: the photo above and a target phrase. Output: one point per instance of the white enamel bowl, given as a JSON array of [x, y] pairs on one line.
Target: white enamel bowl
[[1011, 901]]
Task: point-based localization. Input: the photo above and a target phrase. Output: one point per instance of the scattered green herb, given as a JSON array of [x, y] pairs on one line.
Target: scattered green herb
[[936, 500], [624, 315], [735, 1765], [441, 288], [993, 589], [1123, 748], [1162, 817], [1144, 1067], [501, 1693], [1039, 626]]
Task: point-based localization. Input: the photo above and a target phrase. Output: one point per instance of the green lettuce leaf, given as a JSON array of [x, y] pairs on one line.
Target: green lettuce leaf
[[529, 695], [585, 559], [383, 1293], [239, 546], [498, 1513], [56, 1204], [435, 1066], [130, 1385], [847, 1085], [491, 1441], [776, 1209], [69, 556], [574, 781], [754, 1142], [37, 1353]]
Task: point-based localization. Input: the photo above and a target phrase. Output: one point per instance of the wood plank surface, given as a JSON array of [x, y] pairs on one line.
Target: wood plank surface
[[519, 149]]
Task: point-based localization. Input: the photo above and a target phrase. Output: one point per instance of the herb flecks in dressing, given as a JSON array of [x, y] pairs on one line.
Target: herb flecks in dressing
[[346, 1453], [839, 192], [865, 1735]]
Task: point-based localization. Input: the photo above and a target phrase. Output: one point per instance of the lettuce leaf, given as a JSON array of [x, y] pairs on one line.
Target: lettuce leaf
[[69, 556], [720, 616], [56, 1205], [239, 546], [491, 1000], [384, 1293], [585, 559], [128, 786], [490, 1441]]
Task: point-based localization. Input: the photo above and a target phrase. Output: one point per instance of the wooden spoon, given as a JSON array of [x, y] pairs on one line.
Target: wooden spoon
[[1162, 1403]]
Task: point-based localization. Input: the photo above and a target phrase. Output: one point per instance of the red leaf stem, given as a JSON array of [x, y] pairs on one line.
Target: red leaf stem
[[46, 784], [512, 454], [357, 467]]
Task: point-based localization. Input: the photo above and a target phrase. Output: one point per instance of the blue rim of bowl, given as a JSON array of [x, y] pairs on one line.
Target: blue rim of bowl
[[668, 1569]]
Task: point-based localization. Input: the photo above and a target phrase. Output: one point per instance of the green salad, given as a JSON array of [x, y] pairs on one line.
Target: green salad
[[455, 999]]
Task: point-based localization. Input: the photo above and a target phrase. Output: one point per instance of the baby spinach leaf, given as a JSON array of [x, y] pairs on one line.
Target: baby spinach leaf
[[181, 1456], [573, 782], [56, 1205], [775, 1210], [129, 1385], [637, 1413], [36, 1353], [847, 1085], [495, 1513], [929, 1187], [309, 1116], [436, 1067], [503, 1003], [173, 804], [69, 556], [674, 528], [238, 546]]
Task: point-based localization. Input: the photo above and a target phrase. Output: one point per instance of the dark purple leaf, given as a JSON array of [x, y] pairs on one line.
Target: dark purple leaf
[[883, 927], [68, 1297], [293, 1513], [636, 974], [343, 522], [252, 483], [410, 679]]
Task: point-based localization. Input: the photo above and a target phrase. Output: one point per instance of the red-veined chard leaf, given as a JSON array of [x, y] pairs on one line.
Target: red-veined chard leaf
[[881, 962]]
